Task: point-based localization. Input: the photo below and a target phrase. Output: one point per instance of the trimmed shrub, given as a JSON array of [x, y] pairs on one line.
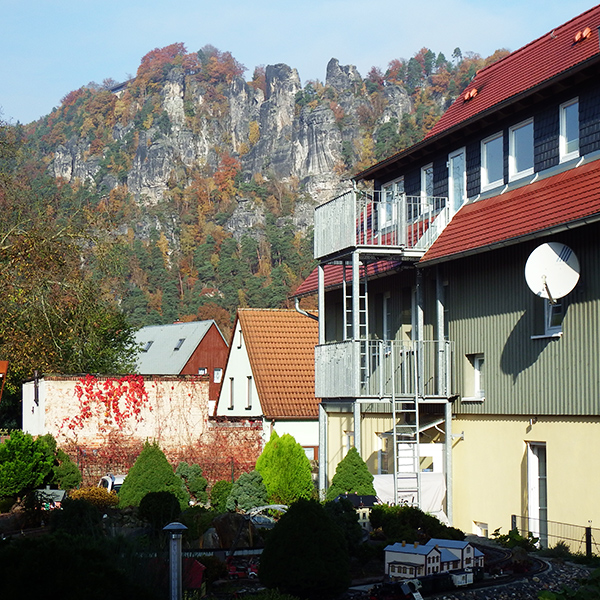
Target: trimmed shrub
[[247, 492], [97, 496], [151, 473], [159, 508], [194, 481], [351, 476], [77, 517], [219, 494]]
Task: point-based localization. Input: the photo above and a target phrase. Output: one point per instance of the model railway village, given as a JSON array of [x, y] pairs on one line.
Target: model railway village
[[422, 419]]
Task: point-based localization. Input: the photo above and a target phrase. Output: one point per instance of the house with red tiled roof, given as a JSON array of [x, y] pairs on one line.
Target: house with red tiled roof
[[269, 376], [459, 294]]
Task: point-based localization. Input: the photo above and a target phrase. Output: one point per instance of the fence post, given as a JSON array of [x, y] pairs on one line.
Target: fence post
[[513, 522], [588, 542]]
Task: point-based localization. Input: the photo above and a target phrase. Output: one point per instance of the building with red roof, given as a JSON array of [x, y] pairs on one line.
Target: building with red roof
[[438, 350]]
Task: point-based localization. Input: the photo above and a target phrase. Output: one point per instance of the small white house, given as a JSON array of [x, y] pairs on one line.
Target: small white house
[[403, 561]]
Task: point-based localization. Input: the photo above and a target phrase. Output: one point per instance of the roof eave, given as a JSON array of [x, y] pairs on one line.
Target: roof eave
[[512, 241]]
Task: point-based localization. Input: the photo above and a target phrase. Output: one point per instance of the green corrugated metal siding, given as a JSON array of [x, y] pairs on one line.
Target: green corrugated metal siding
[[492, 311]]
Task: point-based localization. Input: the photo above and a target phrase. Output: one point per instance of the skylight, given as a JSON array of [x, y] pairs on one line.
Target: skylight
[[179, 344]]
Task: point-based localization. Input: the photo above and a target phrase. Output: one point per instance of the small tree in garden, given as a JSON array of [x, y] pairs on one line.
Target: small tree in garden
[[306, 554], [193, 480], [65, 473], [151, 473], [285, 470], [24, 464], [247, 492], [219, 495], [351, 476]]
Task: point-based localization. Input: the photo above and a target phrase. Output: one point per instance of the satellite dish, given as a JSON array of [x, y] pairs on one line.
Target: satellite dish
[[552, 271]]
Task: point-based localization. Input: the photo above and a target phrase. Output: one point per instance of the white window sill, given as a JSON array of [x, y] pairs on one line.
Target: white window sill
[[475, 399], [545, 336]]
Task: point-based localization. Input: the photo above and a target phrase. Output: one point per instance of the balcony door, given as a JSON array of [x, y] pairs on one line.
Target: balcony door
[[457, 180]]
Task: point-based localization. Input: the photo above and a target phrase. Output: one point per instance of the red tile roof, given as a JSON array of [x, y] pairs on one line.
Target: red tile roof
[[281, 348], [565, 199], [334, 276], [533, 64]]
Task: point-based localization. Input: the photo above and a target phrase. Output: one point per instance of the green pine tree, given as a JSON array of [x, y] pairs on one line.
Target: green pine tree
[[247, 492], [151, 473], [351, 476]]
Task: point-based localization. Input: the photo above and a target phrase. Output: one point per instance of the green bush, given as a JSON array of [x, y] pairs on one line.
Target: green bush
[[77, 517], [247, 492], [306, 554], [218, 495], [197, 519], [351, 476], [159, 508], [151, 473], [513, 539], [194, 481], [410, 524], [98, 496]]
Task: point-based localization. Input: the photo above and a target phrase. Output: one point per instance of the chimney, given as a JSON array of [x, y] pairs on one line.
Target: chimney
[[403, 543], [416, 544]]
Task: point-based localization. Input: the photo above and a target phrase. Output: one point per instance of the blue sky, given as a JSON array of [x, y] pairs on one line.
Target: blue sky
[[51, 47]]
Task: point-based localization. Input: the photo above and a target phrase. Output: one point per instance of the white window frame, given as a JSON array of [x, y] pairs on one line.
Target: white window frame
[[563, 141], [231, 393], [486, 184], [249, 392], [217, 375], [390, 198], [513, 173], [451, 183], [537, 490], [478, 376]]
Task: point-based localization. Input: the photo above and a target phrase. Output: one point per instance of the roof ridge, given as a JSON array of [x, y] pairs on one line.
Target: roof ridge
[[540, 39]]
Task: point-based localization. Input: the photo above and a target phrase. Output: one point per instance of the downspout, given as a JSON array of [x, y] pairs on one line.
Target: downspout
[[303, 312], [443, 379]]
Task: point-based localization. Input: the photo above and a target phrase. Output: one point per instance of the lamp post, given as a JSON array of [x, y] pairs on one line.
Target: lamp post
[[176, 531]]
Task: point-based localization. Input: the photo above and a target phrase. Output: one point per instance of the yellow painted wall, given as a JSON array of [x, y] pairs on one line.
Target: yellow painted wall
[[490, 469]]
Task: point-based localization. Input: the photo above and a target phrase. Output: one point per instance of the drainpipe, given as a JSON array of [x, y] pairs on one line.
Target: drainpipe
[[303, 312], [443, 380], [322, 451]]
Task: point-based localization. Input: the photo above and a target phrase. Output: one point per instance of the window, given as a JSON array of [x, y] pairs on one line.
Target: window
[[427, 181], [231, 393], [474, 378], [217, 375], [537, 500], [492, 163], [348, 441], [457, 180], [553, 317], [147, 346], [203, 371], [390, 200], [520, 147], [569, 130], [179, 344], [249, 392]]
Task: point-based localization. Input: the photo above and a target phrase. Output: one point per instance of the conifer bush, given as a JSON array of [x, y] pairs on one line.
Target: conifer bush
[[159, 508], [151, 472], [247, 492], [218, 495], [351, 476], [97, 496]]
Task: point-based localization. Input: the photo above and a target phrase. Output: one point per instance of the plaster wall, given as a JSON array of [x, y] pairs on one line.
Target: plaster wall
[[490, 469]]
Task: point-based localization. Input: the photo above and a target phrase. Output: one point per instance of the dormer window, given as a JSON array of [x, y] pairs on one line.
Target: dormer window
[[569, 130], [492, 162], [179, 344], [520, 147]]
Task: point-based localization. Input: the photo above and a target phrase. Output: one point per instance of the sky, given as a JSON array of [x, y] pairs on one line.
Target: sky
[[50, 47]]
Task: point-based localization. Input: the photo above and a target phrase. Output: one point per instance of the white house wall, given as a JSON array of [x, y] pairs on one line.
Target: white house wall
[[238, 370]]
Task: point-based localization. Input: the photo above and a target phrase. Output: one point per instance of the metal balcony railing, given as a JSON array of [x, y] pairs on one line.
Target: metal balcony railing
[[377, 220], [382, 369]]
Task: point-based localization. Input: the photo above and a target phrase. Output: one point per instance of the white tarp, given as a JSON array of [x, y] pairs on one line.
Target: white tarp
[[433, 491]]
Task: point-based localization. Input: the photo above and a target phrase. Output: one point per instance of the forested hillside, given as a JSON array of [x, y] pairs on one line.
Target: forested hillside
[[188, 191]]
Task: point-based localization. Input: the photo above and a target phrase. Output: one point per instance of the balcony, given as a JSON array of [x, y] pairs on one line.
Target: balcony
[[382, 369], [379, 222]]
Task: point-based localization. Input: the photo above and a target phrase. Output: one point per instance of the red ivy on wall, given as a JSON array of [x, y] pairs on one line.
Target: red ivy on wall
[[113, 401]]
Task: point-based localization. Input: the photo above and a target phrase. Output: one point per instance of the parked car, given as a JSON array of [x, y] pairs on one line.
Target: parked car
[[112, 482]]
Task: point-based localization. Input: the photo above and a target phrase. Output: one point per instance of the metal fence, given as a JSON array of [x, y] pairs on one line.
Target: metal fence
[[579, 538]]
